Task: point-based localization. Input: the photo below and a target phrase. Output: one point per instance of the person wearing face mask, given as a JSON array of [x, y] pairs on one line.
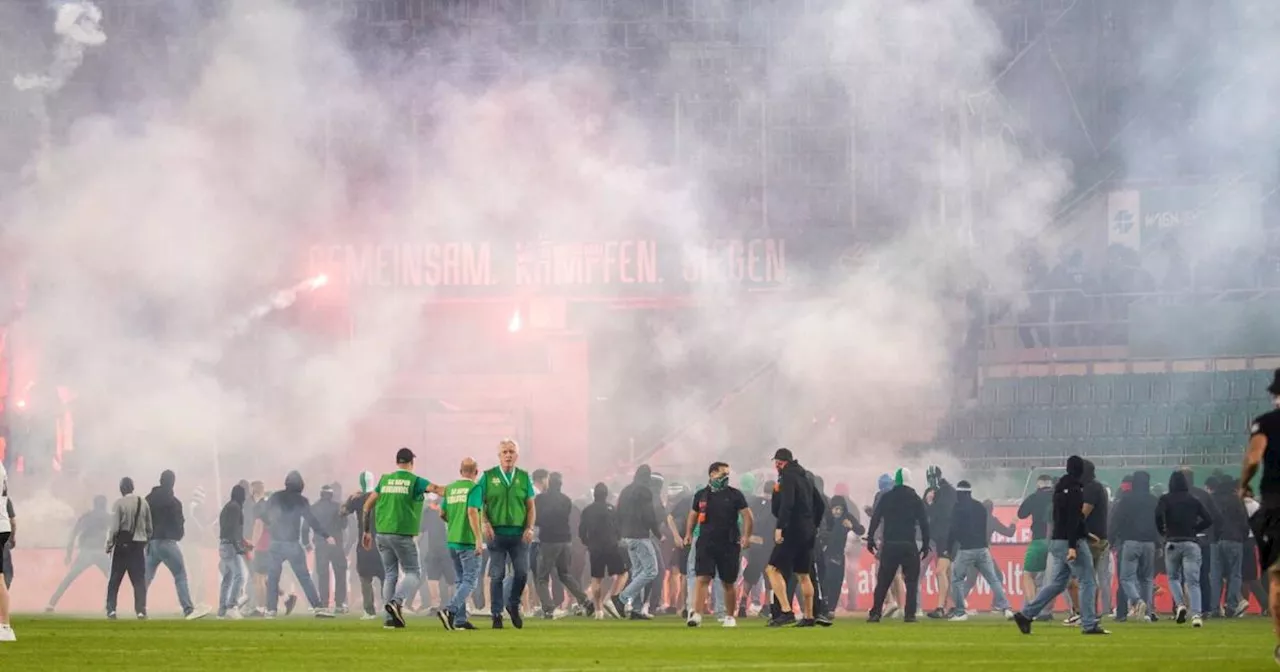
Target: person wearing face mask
[[1264, 454], [903, 545], [839, 524], [944, 502], [163, 548], [1069, 549], [718, 551], [369, 567], [232, 546], [1133, 525], [330, 554], [286, 510], [798, 508], [971, 536], [85, 545], [1181, 517], [598, 531]]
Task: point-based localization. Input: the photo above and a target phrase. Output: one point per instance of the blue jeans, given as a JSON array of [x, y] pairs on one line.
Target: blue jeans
[[644, 568], [291, 552], [399, 552], [231, 568], [1182, 562], [168, 552], [980, 559], [466, 565], [1082, 569], [717, 587], [1138, 571], [505, 549], [1227, 558]]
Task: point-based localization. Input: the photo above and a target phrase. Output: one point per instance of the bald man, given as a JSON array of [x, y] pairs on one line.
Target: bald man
[[461, 513]]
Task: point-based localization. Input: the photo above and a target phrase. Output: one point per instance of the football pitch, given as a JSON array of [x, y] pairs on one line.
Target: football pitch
[[577, 644]]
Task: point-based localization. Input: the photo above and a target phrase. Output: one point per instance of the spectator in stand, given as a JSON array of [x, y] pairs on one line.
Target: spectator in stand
[[1039, 305], [1073, 298]]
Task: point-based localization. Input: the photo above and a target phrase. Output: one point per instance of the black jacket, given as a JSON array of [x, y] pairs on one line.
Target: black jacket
[[1233, 520], [287, 509], [166, 514], [636, 516], [835, 534], [328, 512], [368, 562], [1134, 516], [902, 511], [797, 504], [1208, 535], [969, 524], [553, 509], [1068, 498], [598, 528], [1179, 515], [231, 520], [940, 511]]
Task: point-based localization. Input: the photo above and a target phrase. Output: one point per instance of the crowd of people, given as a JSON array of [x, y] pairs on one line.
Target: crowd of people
[[713, 549]]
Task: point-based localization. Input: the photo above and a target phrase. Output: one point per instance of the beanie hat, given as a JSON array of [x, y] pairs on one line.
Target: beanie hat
[[367, 481], [902, 476]]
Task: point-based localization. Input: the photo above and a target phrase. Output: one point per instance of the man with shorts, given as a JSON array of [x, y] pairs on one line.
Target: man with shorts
[[761, 542], [598, 531], [797, 508], [395, 507], [1264, 454], [718, 551], [1038, 506], [944, 502]]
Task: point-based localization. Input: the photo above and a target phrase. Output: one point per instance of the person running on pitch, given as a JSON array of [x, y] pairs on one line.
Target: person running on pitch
[[716, 509]]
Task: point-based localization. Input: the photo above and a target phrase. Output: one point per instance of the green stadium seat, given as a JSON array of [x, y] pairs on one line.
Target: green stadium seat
[[1140, 388], [1001, 424], [963, 427], [1221, 387], [1063, 391], [1161, 388], [1095, 419], [1120, 421], [1259, 381], [1192, 388], [1241, 385], [1059, 424], [1043, 391], [1025, 392], [981, 423], [988, 394], [1102, 390]]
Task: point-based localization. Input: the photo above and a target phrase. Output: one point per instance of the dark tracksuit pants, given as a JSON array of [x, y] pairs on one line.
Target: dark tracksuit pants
[[128, 559], [832, 581], [895, 556], [330, 560]]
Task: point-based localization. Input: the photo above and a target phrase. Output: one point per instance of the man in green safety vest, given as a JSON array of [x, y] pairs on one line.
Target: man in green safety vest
[[461, 513], [508, 516]]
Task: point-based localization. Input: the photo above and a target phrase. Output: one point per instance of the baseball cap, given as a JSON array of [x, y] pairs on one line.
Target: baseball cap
[[404, 455], [783, 454]]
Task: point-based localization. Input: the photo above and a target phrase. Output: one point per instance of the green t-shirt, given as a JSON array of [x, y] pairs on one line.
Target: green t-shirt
[[459, 496], [398, 509], [506, 499]]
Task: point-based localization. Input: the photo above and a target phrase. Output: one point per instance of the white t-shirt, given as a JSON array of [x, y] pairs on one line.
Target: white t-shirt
[[1251, 507], [4, 501]]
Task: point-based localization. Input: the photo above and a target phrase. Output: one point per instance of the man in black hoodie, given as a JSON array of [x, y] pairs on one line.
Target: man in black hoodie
[[87, 535], [1070, 550], [1133, 525], [168, 522], [971, 538], [330, 553], [1205, 538], [638, 522], [842, 520], [1096, 517], [944, 502], [1228, 551], [1181, 518], [798, 508], [903, 513], [232, 547], [286, 510], [598, 530], [555, 548]]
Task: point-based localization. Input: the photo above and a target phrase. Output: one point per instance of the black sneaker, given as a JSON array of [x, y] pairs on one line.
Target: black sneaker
[[1152, 618], [826, 620], [1181, 615], [619, 607], [516, 619], [937, 613], [909, 619], [465, 625], [497, 622], [1277, 655], [548, 616], [289, 603], [111, 615], [1095, 630], [806, 623], [639, 616], [1024, 623], [396, 612], [785, 618], [446, 618], [589, 608], [874, 618]]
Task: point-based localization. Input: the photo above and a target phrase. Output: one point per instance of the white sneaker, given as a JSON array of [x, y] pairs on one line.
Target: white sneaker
[[729, 622], [235, 615], [754, 610], [198, 613], [559, 614], [958, 618], [369, 617], [1072, 620], [599, 615], [1241, 609], [1197, 623], [7, 635], [695, 619], [644, 611], [321, 613], [1008, 614]]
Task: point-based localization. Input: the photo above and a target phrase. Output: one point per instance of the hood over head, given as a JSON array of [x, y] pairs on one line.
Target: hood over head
[[1141, 482], [884, 482], [1178, 482], [601, 493], [964, 492], [326, 492], [1090, 472], [167, 479], [237, 493], [841, 502], [643, 475], [99, 503], [748, 482], [902, 477], [293, 482], [1075, 466], [367, 481]]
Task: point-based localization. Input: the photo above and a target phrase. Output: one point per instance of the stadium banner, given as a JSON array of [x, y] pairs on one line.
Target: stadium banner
[[37, 573], [1166, 212], [638, 266]]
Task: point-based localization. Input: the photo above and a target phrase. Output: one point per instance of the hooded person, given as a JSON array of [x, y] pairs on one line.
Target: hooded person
[[1069, 549], [761, 539], [232, 547], [1097, 501], [330, 554], [797, 507], [127, 537], [1133, 528], [1233, 534], [369, 568], [900, 545], [286, 511], [971, 536], [84, 548], [1181, 517], [639, 526], [554, 509], [841, 521], [944, 502], [598, 530], [163, 548]]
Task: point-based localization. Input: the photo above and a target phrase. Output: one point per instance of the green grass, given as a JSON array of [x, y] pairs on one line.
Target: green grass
[[579, 644]]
